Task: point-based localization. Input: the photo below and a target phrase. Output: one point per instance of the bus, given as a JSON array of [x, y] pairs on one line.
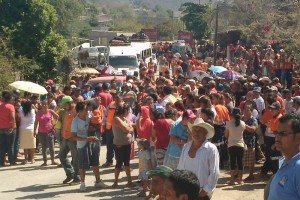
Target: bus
[[144, 50]]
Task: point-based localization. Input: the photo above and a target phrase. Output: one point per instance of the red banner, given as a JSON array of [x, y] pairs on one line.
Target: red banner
[[151, 33], [187, 36]]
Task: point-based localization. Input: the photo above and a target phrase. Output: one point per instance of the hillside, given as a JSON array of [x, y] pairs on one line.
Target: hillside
[[168, 4]]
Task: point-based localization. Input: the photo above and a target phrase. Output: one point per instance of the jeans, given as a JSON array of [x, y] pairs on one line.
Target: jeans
[[71, 169], [47, 140], [7, 145], [94, 150], [16, 144], [289, 78], [109, 146]]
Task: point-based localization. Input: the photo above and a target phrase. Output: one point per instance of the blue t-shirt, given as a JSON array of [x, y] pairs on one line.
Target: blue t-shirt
[[80, 127], [87, 95], [180, 132], [286, 182]]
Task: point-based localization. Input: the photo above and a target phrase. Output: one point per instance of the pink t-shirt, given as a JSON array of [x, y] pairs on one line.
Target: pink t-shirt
[[106, 98], [45, 122], [5, 117]]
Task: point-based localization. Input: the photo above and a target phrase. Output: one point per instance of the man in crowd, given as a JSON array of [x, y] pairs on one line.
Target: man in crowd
[[68, 142], [107, 126], [158, 177], [285, 184], [181, 185]]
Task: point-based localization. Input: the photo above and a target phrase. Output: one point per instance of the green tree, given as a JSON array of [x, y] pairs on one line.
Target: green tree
[[196, 19], [31, 26], [69, 12]]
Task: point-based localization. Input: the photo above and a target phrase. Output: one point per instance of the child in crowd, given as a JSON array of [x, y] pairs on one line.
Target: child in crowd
[[144, 164]]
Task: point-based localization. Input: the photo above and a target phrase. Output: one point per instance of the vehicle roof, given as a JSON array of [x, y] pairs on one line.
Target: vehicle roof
[[141, 46], [107, 78], [121, 51]]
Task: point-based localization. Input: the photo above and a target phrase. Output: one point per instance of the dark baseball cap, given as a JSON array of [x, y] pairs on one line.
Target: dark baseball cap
[[275, 106], [161, 171]]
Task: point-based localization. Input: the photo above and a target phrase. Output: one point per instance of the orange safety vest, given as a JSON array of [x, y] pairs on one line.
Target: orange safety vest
[[110, 115]]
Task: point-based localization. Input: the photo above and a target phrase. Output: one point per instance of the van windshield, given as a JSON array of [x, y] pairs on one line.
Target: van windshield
[[123, 61]]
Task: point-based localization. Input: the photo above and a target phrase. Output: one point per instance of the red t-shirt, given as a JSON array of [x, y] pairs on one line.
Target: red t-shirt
[[5, 117], [162, 128], [106, 98]]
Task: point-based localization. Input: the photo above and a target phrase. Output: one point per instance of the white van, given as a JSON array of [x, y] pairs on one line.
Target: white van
[[123, 58], [144, 50]]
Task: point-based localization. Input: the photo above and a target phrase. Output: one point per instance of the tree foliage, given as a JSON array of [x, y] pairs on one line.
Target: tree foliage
[[30, 26], [196, 19]]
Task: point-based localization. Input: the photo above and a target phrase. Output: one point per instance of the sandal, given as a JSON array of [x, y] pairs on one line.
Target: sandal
[[115, 185], [24, 162], [32, 161], [141, 194], [44, 164], [231, 183], [249, 178]]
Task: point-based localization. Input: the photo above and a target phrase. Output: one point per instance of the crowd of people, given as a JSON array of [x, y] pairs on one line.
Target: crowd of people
[[186, 129]]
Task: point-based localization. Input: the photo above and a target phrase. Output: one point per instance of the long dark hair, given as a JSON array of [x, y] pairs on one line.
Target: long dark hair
[[27, 106], [236, 113], [122, 109]]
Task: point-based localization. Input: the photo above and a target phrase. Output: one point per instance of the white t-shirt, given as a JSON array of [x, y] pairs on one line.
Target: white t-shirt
[[235, 137], [27, 122], [80, 127]]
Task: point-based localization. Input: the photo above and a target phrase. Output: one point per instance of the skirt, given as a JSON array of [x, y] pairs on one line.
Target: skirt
[[27, 139], [249, 157]]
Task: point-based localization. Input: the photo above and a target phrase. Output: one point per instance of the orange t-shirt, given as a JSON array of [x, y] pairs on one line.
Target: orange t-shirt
[[66, 131], [98, 115], [222, 114], [266, 117], [273, 123]]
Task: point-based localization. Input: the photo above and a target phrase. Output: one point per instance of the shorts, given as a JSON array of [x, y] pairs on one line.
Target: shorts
[[122, 155], [83, 158], [89, 155]]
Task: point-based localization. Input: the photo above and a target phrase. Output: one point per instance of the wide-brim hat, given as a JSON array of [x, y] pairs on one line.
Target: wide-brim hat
[[201, 123]]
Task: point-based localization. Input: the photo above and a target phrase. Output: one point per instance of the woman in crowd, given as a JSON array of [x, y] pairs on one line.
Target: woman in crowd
[[144, 124], [122, 131], [7, 128], [179, 136], [234, 133], [205, 102], [249, 139], [27, 137], [160, 135], [222, 116], [43, 120]]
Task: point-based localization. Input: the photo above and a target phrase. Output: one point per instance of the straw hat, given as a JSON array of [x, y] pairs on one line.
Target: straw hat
[[201, 123]]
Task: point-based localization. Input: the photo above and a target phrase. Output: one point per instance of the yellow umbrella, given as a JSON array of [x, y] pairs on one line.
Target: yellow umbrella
[[85, 71]]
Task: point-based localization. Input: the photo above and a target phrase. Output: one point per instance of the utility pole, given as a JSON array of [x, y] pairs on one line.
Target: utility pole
[[199, 2], [172, 25], [216, 35]]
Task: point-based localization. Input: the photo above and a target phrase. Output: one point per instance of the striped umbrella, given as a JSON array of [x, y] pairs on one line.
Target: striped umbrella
[[230, 75]]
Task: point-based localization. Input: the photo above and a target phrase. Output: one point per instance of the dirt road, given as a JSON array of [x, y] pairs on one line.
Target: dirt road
[[34, 182]]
